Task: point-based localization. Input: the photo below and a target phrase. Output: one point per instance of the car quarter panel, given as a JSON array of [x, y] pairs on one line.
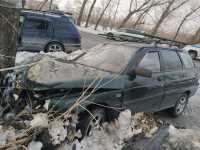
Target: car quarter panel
[[178, 80]]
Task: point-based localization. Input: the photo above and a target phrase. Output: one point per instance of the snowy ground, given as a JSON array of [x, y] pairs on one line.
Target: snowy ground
[[91, 30]]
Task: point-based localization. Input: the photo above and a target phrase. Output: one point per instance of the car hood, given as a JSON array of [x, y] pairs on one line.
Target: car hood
[[50, 73]]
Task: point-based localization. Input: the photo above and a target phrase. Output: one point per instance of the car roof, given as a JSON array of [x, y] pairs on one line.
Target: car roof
[[139, 46], [48, 14]]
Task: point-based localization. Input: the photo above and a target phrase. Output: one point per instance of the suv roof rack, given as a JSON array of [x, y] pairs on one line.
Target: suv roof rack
[[58, 12]]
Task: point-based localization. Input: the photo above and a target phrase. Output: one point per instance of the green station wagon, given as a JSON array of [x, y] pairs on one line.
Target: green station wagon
[[142, 78]]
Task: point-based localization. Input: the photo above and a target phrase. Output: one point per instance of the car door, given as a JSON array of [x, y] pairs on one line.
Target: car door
[[35, 34], [173, 77], [143, 93]]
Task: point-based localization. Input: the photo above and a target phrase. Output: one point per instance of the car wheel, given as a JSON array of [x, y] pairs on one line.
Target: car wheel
[[88, 122], [193, 54], [54, 47], [180, 106]]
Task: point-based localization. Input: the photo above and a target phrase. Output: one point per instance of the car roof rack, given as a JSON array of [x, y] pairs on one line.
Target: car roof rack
[[58, 12]]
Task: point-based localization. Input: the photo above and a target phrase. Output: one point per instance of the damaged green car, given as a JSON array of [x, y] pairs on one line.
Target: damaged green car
[[113, 77]]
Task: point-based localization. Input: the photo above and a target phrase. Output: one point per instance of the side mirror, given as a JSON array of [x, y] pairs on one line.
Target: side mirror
[[141, 72]]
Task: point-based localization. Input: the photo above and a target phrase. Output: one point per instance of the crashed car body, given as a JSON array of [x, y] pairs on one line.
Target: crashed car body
[[125, 34], [119, 75]]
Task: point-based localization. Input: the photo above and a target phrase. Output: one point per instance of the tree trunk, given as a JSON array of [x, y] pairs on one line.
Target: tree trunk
[[166, 13], [137, 22], [196, 37], [81, 12], [9, 24], [183, 21], [132, 12], [179, 28], [23, 3], [42, 4], [125, 20], [50, 4], [101, 16], [115, 14], [90, 13]]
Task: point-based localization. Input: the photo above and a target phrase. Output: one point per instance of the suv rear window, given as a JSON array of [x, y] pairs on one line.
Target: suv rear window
[[187, 61], [171, 60], [35, 24], [151, 62]]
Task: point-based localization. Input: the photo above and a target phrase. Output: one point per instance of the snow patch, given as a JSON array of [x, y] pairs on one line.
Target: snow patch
[[112, 135], [35, 146], [89, 30], [7, 135], [40, 120], [57, 132], [22, 56]]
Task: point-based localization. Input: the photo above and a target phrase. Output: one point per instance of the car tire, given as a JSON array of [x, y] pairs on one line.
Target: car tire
[[180, 106], [87, 122], [54, 47], [193, 54]]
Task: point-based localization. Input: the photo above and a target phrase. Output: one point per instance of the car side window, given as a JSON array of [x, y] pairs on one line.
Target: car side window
[[187, 61], [35, 24], [151, 62], [171, 60]]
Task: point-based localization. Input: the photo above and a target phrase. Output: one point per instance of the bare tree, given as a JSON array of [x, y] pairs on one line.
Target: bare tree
[[168, 10], [23, 3], [115, 14], [102, 14], [147, 4], [90, 13], [42, 4], [141, 16], [196, 37], [184, 20], [50, 4], [81, 12]]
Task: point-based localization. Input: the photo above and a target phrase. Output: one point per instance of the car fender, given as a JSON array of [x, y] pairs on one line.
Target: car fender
[[109, 98]]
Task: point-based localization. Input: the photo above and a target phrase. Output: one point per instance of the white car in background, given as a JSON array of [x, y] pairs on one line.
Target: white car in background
[[193, 50]]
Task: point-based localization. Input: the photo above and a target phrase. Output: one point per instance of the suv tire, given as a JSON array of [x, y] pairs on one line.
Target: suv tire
[[180, 106], [54, 47], [193, 54]]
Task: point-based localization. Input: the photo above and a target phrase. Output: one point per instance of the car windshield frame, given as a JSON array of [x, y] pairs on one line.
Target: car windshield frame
[[116, 64]]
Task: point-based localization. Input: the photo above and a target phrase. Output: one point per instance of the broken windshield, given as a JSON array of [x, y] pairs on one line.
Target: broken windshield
[[112, 58]]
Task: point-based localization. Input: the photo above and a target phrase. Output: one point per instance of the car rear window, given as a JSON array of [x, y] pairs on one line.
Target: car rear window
[[171, 60], [187, 61]]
